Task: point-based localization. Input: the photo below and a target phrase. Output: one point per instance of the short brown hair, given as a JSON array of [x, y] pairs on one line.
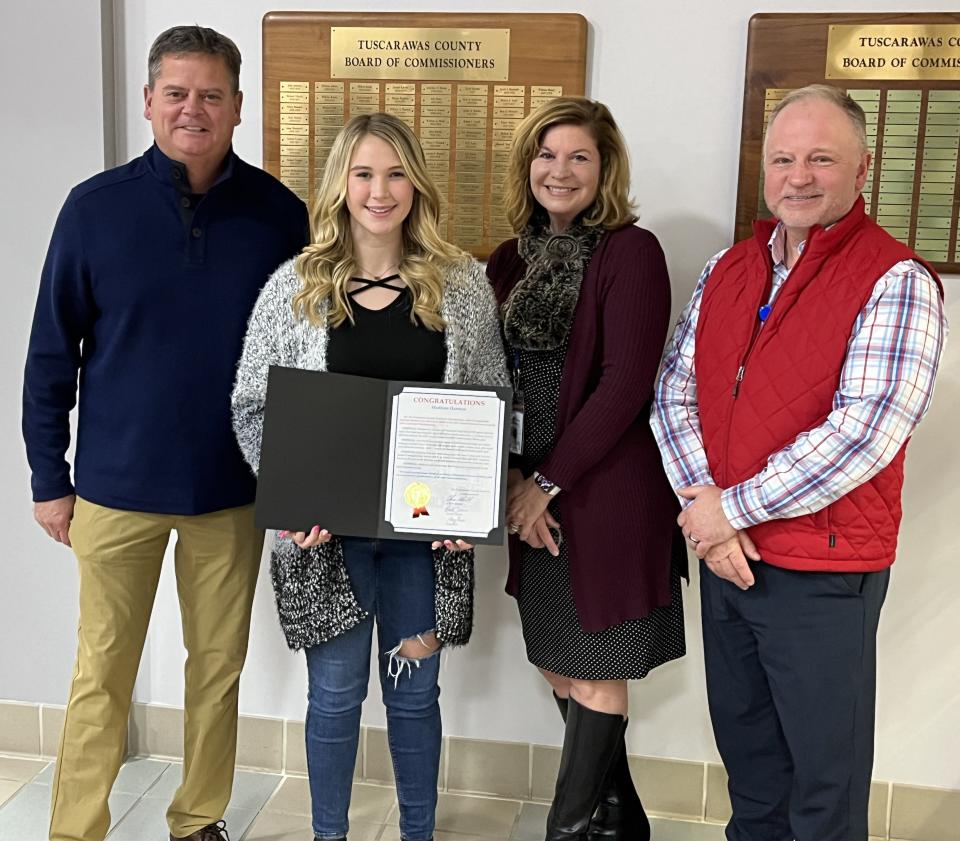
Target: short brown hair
[[612, 208], [191, 40], [838, 97]]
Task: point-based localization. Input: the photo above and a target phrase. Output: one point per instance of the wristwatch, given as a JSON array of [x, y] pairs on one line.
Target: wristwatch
[[545, 484]]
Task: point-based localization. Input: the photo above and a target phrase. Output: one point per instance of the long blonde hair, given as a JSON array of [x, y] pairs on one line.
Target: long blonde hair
[[612, 207], [326, 266]]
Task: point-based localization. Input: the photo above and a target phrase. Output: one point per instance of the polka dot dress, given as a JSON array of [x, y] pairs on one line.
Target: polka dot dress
[[551, 630]]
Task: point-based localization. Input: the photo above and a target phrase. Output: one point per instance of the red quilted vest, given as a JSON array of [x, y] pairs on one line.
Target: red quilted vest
[[790, 373]]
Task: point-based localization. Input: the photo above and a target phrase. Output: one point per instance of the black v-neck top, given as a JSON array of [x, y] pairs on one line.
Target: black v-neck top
[[385, 343]]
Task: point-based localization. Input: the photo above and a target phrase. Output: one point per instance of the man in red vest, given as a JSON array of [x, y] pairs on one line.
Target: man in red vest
[[792, 384]]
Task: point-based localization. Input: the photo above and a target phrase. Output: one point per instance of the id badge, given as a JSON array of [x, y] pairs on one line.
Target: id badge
[[516, 424]]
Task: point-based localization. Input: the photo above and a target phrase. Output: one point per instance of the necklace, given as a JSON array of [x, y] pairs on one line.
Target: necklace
[[378, 275]]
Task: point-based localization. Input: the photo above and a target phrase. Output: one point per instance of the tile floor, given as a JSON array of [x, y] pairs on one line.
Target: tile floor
[[273, 807]]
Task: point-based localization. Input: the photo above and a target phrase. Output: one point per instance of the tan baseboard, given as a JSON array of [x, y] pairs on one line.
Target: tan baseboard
[[514, 770], [20, 728]]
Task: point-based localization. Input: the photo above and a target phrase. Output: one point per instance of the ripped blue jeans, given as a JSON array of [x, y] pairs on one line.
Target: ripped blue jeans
[[393, 581]]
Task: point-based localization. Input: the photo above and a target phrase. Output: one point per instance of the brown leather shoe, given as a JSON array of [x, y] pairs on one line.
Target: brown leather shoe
[[212, 832]]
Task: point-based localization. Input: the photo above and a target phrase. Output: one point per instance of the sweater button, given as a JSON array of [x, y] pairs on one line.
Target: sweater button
[[196, 233], [185, 202]]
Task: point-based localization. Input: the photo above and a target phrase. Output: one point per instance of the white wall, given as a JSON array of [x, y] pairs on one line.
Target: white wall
[[673, 76], [51, 137]]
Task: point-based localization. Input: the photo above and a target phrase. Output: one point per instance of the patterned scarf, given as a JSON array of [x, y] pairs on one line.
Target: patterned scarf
[[538, 313]]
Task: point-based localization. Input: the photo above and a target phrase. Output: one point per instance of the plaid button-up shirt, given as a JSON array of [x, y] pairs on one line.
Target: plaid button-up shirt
[[885, 389]]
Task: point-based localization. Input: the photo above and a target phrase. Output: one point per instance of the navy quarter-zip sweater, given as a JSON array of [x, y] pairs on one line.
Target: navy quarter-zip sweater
[[146, 291]]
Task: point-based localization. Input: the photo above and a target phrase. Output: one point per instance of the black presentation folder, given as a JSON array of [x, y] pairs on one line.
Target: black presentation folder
[[323, 458]]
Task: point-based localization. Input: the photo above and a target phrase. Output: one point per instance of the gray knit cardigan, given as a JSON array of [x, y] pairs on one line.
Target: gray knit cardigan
[[314, 598]]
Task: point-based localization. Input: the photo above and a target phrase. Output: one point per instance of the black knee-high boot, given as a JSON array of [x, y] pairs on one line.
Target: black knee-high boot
[[590, 745], [562, 706], [619, 815]]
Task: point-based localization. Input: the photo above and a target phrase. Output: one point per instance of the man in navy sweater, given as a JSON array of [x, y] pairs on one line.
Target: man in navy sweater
[[150, 276]]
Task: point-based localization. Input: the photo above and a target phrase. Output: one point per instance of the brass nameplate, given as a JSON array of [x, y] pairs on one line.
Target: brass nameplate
[[890, 51], [375, 52]]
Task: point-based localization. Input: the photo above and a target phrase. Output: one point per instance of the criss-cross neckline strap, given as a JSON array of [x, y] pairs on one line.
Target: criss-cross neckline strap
[[377, 283]]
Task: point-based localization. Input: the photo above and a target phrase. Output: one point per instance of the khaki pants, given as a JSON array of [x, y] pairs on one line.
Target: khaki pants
[[120, 553]]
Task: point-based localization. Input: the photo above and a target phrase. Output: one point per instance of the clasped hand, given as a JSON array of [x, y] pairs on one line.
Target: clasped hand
[[317, 535], [710, 534], [527, 514]]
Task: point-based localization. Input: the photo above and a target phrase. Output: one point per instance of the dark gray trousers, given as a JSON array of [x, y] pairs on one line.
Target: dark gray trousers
[[791, 684]]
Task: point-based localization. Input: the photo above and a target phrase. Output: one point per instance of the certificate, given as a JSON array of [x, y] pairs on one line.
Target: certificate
[[444, 462], [381, 458]]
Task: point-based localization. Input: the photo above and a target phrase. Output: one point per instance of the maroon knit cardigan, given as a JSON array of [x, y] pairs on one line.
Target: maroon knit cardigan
[[618, 511]]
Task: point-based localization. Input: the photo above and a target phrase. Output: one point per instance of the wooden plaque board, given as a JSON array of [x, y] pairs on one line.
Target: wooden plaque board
[[464, 122], [913, 125]]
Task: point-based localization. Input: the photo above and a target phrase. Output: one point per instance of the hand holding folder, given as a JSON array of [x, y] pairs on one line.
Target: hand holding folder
[[380, 458]]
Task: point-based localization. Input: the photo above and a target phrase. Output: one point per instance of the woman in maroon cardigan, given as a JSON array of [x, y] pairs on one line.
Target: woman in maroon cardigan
[[594, 560]]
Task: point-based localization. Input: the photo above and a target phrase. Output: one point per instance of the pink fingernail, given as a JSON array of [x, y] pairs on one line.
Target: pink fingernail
[[315, 530], [282, 534]]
